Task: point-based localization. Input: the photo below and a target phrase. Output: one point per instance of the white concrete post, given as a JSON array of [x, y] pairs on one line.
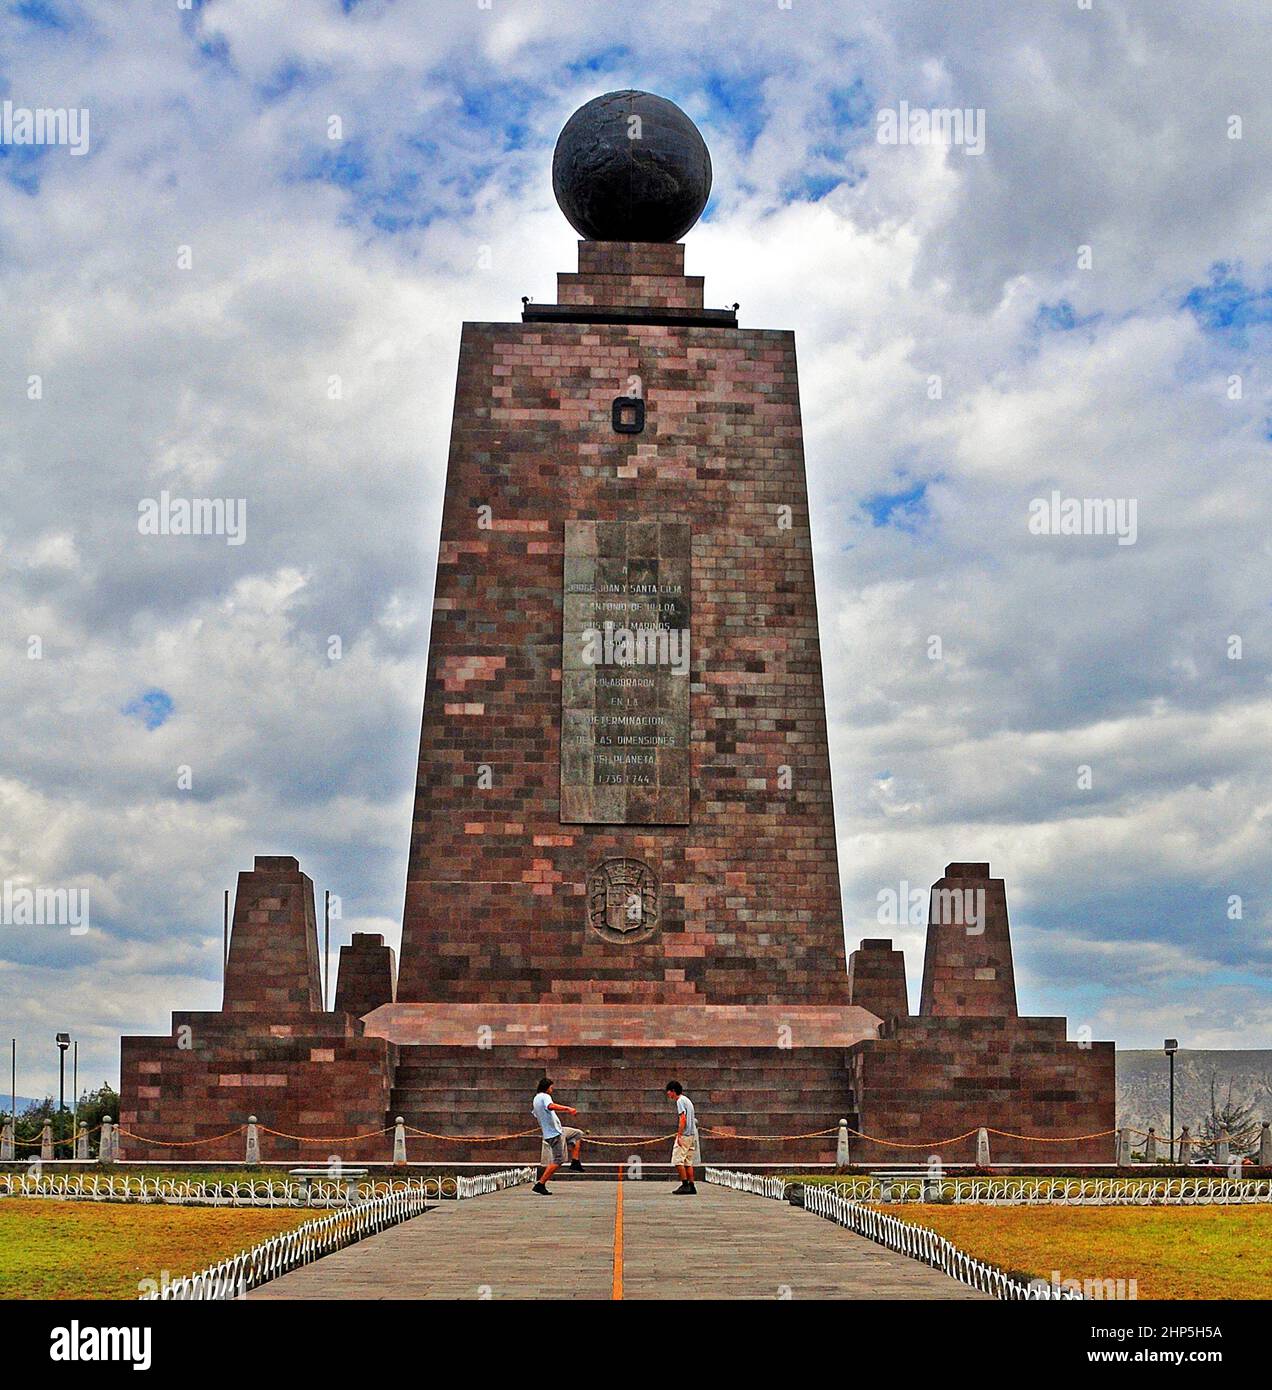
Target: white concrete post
[[1223, 1152], [6, 1142], [1150, 1146], [982, 1147], [399, 1141], [1265, 1145], [843, 1155], [1185, 1145], [105, 1145], [1124, 1148], [81, 1141], [46, 1141], [253, 1154]]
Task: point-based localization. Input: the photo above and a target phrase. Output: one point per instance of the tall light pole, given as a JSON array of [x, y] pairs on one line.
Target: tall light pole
[[1171, 1046], [63, 1042]]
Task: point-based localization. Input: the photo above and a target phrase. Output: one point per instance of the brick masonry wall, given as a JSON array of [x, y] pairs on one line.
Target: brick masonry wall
[[318, 1079], [968, 1059], [367, 975], [929, 1079], [767, 1092], [496, 893], [967, 965], [876, 979], [273, 964]]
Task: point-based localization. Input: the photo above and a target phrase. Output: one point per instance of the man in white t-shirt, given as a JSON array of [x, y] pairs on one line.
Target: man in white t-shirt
[[555, 1139], [685, 1149]]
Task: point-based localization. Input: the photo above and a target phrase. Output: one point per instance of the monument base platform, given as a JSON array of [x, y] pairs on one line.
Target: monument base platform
[[757, 1102], [315, 1077], [925, 1080], [635, 1025], [764, 1071]]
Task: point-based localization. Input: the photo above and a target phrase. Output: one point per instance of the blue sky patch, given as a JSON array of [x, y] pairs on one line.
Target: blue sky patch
[[904, 510], [737, 103], [41, 13], [1227, 305], [1061, 318], [154, 708]]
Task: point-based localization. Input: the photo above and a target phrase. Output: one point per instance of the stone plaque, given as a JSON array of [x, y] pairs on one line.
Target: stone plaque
[[625, 673]]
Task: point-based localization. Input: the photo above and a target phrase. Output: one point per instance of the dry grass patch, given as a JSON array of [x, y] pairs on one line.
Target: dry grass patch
[[52, 1249], [1171, 1252]]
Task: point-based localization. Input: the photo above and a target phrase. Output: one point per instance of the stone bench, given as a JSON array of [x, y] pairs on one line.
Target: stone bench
[[349, 1177]]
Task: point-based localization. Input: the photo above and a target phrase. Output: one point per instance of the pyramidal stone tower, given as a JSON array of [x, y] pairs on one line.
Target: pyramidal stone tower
[[622, 860], [624, 795], [624, 844]]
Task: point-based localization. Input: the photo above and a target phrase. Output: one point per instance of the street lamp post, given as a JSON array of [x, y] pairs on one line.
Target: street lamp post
[[1171, 1046], [63, 1042]]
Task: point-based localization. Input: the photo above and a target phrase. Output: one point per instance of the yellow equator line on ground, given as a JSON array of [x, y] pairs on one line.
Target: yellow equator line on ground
[[616, 1291]]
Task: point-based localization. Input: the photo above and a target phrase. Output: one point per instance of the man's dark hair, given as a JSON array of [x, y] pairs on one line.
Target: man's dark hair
[[544, 1083], [675, 1086]]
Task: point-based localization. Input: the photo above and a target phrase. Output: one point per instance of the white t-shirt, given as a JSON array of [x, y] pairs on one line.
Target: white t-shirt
[[547, 1119], [684, 1106]]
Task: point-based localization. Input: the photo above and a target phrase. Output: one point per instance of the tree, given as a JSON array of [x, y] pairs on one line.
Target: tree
[[92, 1106], [1233, 1118]]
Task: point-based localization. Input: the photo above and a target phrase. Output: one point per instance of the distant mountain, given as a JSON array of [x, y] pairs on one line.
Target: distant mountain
[[23, 1102], [1143, 1086]]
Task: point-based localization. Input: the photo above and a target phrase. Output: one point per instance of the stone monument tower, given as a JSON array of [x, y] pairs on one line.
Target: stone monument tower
[[622, 859], [623, 831]]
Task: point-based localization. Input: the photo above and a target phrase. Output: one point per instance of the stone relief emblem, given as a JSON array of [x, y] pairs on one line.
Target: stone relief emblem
[[622, 900]]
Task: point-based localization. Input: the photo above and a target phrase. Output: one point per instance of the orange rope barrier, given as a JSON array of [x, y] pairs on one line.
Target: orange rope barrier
[[897, 1144], [472, 1138], [179, 1143], [633, 1143], [766, 1138], [307, 1139], [1050, 1139]]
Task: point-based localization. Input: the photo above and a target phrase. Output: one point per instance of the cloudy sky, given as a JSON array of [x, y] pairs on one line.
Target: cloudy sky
[[251, 284]]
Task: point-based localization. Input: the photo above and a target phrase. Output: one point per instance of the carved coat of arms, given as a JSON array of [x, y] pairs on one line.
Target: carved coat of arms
[[622, 899]]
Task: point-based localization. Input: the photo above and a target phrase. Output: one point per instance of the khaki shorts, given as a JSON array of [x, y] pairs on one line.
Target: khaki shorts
[[684, 1151], [554, 1150]]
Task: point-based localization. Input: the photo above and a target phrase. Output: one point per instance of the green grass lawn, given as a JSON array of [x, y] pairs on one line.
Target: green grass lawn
[[52, 1249], [1170, 1252]]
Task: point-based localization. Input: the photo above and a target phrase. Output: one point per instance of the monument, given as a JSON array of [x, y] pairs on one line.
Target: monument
[[623, 861]]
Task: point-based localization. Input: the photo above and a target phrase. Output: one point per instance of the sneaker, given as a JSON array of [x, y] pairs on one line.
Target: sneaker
[[576, 1165], [693, 1189], [541, 1190], [684, 1190]]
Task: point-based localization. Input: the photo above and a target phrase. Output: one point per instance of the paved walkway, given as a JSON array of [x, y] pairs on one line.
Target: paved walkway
[[603, 1240]]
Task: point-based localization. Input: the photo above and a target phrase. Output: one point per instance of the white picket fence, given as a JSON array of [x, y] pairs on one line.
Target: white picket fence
[[233, 1192], [485, 1183], [918, 1242], [1057, 1191], [921, 1243], [754, 1183], [234, 1277]]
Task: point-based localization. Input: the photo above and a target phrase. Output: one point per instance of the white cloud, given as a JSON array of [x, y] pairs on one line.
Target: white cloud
[[1106, 128]]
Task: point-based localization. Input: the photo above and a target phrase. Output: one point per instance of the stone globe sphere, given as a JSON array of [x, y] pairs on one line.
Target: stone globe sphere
[[631, 166]]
